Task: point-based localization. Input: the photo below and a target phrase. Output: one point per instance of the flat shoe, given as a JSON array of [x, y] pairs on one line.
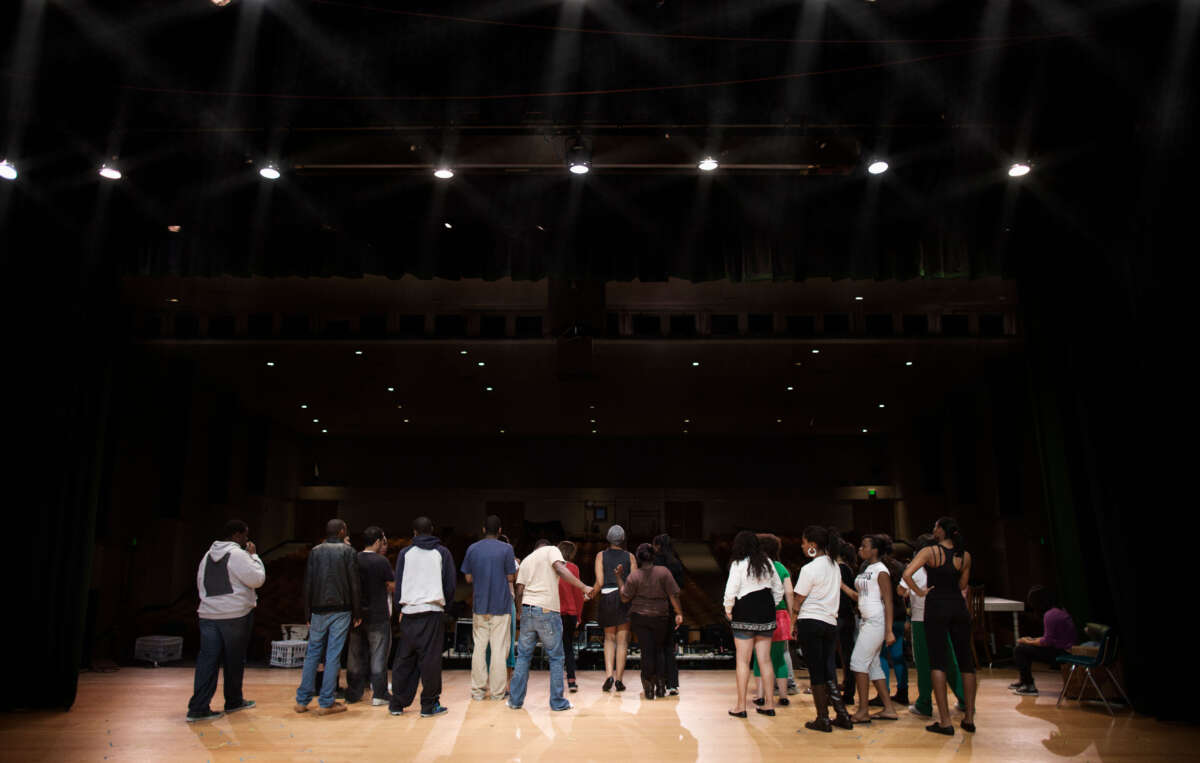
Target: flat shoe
[[882, 717], [968, 727], [760, 711], [759, 701], [857, 722], [738, 715], [939, 729], [608, 684]]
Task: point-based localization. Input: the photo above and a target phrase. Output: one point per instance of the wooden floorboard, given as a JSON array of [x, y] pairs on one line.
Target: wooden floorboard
[[138, 714]]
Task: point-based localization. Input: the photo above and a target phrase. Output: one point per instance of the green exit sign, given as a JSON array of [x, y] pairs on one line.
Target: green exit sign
[[870, 492]]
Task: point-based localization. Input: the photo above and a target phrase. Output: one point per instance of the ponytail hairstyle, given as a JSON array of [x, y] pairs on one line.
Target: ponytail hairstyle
[[746, 546], [826, 541], [645, 555], [950, 527], [882, 545]]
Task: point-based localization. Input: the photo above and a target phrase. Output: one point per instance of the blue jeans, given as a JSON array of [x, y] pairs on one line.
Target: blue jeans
[[892, 658], [222, 643], [538, 623], [367, 660], [326, 637]]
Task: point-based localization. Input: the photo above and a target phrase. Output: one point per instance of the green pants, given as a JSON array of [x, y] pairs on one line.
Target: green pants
[[924, 703], [778, 649]]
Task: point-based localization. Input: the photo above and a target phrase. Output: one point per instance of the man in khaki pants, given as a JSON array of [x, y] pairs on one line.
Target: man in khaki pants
[[490, 568]]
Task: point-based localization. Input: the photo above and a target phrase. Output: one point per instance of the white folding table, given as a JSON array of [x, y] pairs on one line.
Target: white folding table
[[996, 604]]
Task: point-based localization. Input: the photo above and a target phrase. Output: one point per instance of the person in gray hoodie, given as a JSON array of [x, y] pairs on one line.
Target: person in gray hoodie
[[425, 581], [227, 578]]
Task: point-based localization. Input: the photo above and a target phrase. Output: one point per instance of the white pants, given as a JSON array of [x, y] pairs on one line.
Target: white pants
[[865, 658], [493, 630]]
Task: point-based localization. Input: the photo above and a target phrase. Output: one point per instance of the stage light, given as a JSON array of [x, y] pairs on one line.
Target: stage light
[[316, 421], [174, 228], [109, 171], [443, 173], [695, 363], [391, 389], [448, 226], [358, 352], [708, 164], [908, 362], [579, 158], [8, 170], [221, 3], [877, 167], [303, 406], [173, 300], [858, 299], [1018, 169], [270, 364], [816, 352], [269, 171], [481, 364]]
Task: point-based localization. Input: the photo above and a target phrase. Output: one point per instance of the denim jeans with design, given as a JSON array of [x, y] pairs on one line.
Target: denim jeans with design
[[326, 637], [546, 626]]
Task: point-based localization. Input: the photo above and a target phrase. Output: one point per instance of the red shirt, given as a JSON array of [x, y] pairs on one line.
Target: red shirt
[[570, 598]]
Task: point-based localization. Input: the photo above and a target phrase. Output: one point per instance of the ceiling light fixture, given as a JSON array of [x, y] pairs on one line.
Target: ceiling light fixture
[[8, 170], [173, 300], [109, 171], [324, 431], [864, 430], [488, 389], [406, 421], [816, 352], [174, 228], [881, 405], [358, 352], [269, 171], [858, 299], [448, 226], [695, 363], [1019, 169], [303, 406], [271, 363], [316, 421], [708, 164], [579, 157], [908, 362], [391, 389], [443, 173], [462, 352], [789, 389], [877, 167], [481, 364]]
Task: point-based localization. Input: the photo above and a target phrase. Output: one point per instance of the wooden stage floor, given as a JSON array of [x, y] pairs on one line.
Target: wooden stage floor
[[138, 714]]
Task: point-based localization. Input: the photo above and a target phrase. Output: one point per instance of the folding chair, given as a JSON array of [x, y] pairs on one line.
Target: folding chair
[[1105, 658]]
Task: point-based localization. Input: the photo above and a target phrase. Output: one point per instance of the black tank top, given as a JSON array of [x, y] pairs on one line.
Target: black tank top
[[943, 578], [611, 558]]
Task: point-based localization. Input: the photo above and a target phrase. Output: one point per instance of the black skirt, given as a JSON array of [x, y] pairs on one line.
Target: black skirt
[[613, 611], [755, 612]]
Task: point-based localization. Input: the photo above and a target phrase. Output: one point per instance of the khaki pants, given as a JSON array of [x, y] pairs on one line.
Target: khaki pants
[[493, 630]]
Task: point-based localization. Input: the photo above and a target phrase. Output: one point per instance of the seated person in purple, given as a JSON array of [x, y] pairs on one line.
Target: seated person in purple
[[1058, 635]]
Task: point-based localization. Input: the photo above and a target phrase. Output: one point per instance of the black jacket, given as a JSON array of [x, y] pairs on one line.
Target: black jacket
[[331, 582]]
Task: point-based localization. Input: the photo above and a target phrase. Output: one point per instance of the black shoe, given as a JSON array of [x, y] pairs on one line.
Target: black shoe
[[1028, 690], [572, 686], [608, 683], [673, 691], [206, 716], [660, 689], [759, 701], [760, 711], [876, 702], [246, 705], [783, 701], [938, 728], [901, 698], [738, 715], [620, 686], [437, 709], [820, 724], [1016, 685], [968, 727]]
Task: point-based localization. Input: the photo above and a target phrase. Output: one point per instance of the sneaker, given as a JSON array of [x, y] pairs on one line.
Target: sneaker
[[1015, 685], [920, 713], [246, 704], [379, 701], [334, 709], [572, 687], [1027, 690], [437, 709], [395, 711], [478, 697], [620, 686], [561, 709], [511, 706], [209, 716], [792, 688], [673, 691]]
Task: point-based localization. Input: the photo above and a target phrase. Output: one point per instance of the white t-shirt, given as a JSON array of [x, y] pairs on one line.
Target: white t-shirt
[[870, 602], [539, 578], [917, 603], [821, 584]]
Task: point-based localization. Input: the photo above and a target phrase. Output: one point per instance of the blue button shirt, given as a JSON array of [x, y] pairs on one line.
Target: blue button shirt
[[489, 562]]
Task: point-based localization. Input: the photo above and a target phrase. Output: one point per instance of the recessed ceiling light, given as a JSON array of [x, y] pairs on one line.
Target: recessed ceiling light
[[881, 405], [908, 362], [864, 430], [778, 421], [797, 363], [593, 431], [110, 172], [406, 421], [399, 406], [481, 364], [172, 300], [591, 421], [174, 228], [462, 352], [816, 352], [391, 389], [501, 431], [443, 173], [695, 363], [269, 172], [324, 431], [448, 226], [789, 389], [316, 421], [592, 407], [488, 389], [877, 167], [687, 421], [685, 431], [271, 363], [858, 299], [303, 406], [708, 164], [1018, 169], [358, 352], [8, 170]]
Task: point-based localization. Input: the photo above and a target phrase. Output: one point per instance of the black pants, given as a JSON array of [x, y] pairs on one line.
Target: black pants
[[948, 617], [222, 643], [569, 622], [419, 658], [670, 666], [366, 651], [818, 641], [1027, 654], [652, 635], [845, 647]]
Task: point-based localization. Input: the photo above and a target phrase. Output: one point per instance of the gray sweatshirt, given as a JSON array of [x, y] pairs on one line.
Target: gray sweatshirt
[[226, 579]]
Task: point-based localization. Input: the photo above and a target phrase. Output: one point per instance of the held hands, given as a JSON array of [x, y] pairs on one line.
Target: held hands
[[588, 592]]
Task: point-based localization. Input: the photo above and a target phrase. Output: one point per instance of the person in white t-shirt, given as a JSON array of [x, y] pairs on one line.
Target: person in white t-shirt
[[537, 603], [873, 592], [924, 703], [818, 593]]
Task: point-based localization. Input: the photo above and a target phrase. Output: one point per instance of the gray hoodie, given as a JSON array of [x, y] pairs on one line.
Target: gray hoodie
[[226, 580]]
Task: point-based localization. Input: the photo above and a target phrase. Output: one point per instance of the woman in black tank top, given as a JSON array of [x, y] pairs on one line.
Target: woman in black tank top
[[948, 568], [613, 614]]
